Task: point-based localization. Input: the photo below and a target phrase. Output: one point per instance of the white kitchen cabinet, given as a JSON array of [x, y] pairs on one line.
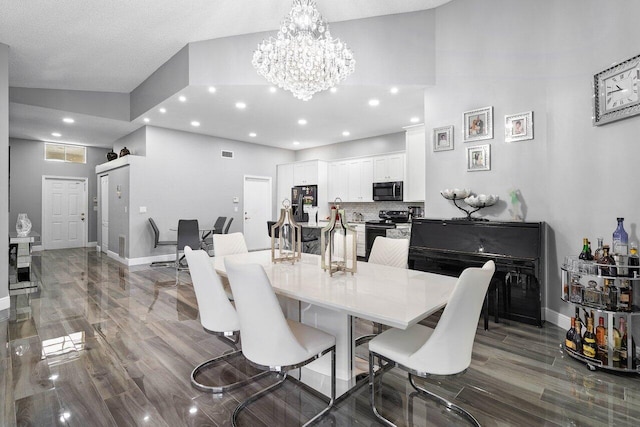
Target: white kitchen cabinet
[[388, 168], [283, 184], [338, 181], [414, 185], [305, 173], [361, 249], [360, 180]]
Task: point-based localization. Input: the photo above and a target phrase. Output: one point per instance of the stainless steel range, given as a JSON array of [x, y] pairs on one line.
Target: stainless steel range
[[388, 219]]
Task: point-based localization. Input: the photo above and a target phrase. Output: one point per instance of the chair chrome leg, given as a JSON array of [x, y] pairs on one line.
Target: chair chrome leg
[[226, 387], [372, 391], [254, 397], [451, 406], [333, 391]]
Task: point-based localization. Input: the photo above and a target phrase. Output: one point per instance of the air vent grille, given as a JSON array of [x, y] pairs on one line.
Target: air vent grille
[[227, 154]]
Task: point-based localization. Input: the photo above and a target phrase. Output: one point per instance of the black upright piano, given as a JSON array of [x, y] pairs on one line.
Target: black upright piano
[[517, 248]]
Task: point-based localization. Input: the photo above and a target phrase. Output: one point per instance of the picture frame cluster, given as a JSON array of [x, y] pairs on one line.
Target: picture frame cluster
[[477, 125]]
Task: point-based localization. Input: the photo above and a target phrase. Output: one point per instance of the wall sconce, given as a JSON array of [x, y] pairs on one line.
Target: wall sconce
[[338, 244], [288, 235]]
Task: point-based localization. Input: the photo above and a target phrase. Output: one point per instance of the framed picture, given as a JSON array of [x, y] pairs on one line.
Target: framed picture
[[615, 92], [443, 138], [479, 158], [518, 127], [477, 124]]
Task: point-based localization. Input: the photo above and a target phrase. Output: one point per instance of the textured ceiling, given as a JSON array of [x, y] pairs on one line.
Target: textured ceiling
[[113, 46]]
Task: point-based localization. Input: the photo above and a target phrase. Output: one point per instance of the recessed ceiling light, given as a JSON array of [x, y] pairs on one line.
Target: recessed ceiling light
[[56, 134], [415, 119], [346, 133], [195, 123], [212, 89], [394, 90], [146, 120], [241, 105], [374, 102], [296, 142], [302, 121], [68, 120], [182, 98], [253, 134], [272, 89], [333, 89], [163, 110]]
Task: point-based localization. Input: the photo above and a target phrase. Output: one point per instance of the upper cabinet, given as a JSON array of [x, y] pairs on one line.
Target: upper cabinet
[[284, 184], [338, 181], [388, 168], [414, 186], [360, 180], [305, 173]]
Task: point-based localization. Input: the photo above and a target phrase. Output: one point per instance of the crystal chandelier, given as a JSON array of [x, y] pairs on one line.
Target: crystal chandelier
[[304, 58]]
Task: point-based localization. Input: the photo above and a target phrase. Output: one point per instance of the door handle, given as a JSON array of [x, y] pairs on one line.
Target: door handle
[[82, 216]]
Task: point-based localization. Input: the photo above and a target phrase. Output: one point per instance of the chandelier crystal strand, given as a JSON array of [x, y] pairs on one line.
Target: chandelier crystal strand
[[303, 58]]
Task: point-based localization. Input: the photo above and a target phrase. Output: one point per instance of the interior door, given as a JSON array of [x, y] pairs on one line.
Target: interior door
[[65, 203], [257, 211], [104, 213]]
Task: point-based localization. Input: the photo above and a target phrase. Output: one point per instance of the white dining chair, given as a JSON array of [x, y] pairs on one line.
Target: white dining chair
[[445, 350], [269, 340], [229, 244], [391, 252], [217, 316]]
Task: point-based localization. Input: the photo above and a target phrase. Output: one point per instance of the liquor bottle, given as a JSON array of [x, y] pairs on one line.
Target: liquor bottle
[[625, 296], [601, 341], [634, 260], [586, 251], [611, 294], [589, 346], [606, 263], [623, 343], [617, 344], [577, 337], [597, 255], [568, 342], [620, 239]]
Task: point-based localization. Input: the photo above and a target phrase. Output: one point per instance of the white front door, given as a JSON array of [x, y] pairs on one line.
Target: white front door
[[257, 211], [64, 219], [104, 213]]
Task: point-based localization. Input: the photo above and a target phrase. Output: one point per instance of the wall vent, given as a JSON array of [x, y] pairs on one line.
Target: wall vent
[[122, 244], [226, 154]]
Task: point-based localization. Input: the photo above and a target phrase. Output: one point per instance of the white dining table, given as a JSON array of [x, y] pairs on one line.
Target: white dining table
[[391, 296]]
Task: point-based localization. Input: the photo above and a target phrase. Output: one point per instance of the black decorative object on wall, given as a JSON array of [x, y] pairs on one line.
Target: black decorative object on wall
[[124, 152], [111, 155]]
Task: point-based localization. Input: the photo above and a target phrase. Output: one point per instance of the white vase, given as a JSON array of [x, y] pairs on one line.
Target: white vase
[[23, 225]]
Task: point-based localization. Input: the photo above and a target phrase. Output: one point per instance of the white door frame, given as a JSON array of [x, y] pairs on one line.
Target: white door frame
[[102, 247], [85, 203], [244, 194]]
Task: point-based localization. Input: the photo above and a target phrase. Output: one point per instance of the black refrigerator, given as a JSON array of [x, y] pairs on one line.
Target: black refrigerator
[[303, 196]]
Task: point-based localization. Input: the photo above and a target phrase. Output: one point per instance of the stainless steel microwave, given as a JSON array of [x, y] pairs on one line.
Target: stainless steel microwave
[[387, 191]]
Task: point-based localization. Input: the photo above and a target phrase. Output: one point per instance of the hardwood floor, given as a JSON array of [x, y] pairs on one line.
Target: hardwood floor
[[105, 345]]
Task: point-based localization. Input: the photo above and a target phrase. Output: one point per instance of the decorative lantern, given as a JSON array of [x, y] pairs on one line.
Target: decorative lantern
[[288, 235], [338, 244]]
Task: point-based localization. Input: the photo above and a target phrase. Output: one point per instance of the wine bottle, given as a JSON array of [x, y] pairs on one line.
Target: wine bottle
[[568, 342], [634, 260], [623, 343], [589, 346], [597, 255], [620, 239], [617, 344], [601, 341], [577, 337], [586, 251]]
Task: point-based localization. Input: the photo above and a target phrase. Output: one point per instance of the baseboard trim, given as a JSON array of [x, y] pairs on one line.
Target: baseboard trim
[[5, 303], [141, 260], [92, 244], [560, 320]]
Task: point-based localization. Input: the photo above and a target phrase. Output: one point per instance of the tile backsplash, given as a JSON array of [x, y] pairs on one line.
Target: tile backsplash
[[370, 210]]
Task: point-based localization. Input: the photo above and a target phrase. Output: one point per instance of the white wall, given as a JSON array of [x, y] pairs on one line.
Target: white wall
[[359, 147], [4, 173], [540, 56]]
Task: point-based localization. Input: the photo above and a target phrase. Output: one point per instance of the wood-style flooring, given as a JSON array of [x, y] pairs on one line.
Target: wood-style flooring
[[105, 345]]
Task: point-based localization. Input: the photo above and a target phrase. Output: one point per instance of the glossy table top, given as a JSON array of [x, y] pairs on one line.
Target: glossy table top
[[392, 296]]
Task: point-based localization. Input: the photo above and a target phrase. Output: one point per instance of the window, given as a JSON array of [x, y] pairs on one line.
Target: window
[[65, 153]]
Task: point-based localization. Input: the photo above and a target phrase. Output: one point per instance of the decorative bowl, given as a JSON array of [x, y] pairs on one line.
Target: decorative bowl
[[481, 200], [456, 193]]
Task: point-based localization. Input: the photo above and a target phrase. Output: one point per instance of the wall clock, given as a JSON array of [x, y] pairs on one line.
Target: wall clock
[[615, 92]]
